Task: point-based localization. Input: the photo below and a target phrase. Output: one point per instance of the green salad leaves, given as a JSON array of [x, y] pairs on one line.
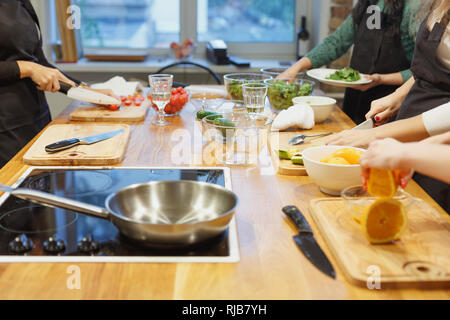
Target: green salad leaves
[[282, 92], [345, 74]]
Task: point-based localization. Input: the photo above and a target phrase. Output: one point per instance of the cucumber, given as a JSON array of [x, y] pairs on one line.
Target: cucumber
[[204, 113], [288, 154], [297, 160]]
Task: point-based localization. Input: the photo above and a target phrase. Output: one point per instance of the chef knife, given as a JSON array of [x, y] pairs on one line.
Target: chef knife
[[86, 95], [368, 124], [69, 143], [306, 242]]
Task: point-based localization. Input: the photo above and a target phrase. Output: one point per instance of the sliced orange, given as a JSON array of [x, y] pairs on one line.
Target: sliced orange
[[384, 221], [351, 155], [338, 160], [382, 183]]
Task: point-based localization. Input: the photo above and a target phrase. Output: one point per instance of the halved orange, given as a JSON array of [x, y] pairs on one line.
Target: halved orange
[[384, 221], [382, 183], [338, 160]]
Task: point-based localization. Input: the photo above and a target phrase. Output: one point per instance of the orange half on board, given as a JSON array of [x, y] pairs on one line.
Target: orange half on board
[[384, 221]]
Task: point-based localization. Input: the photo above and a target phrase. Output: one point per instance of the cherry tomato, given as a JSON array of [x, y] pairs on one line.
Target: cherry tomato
[[128, 103], [113, 107], [137, 103], [123, 98]]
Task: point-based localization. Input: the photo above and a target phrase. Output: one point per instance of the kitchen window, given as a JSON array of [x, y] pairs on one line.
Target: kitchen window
[[267, 27]]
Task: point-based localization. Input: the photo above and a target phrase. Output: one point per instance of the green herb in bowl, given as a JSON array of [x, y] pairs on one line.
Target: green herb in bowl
[[281, 92], [346, 74]]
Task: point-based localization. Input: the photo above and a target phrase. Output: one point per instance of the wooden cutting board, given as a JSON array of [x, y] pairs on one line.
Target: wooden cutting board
[[280, 141], [105, 152], [91, 113], [421, 258]]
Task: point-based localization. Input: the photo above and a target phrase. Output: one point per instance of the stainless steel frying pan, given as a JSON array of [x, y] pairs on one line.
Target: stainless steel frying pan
[[156, 214]]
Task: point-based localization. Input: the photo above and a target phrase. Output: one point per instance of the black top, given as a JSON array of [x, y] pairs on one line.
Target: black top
[[24, 110], [19, 19]]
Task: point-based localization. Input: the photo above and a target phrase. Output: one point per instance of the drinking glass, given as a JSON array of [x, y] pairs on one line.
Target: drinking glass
[[161, 88], [254, 97]]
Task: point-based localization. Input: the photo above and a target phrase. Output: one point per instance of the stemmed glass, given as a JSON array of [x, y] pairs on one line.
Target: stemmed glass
[[161, 88]]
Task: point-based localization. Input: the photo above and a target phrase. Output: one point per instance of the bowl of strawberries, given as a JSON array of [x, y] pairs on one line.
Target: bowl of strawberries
[[177, 101]]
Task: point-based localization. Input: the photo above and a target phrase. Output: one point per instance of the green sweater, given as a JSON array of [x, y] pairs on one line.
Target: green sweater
[[338, 43]]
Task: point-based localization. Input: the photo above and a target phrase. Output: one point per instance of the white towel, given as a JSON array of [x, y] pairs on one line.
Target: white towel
[[119, 86], [299, 115]]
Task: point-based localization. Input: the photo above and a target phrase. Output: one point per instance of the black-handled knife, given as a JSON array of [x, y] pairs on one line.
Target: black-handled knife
[[69, 143], [306, 242]]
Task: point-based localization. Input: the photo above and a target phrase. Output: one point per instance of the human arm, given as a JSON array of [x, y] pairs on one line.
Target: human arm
[[428, 159], [46, 79], [330, 49], [386, 107], [406, 130]]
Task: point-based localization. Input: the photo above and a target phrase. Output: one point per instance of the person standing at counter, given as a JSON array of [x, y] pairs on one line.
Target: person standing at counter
[[25, 74], [384, 53]]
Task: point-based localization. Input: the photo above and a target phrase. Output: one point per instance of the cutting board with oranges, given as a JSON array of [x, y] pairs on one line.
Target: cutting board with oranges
[[420, 258], [129, 111]]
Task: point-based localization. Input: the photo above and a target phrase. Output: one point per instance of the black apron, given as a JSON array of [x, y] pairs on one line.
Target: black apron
[[24, 110], [431, 89], [375, 51]]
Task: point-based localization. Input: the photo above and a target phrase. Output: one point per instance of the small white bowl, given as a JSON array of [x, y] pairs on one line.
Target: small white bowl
[[331, 178], [322, 106]]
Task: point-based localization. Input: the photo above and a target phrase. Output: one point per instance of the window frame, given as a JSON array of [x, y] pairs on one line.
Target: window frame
[[188, 29]]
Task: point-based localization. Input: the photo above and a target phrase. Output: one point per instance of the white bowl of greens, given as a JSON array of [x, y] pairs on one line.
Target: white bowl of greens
[[346, 77]]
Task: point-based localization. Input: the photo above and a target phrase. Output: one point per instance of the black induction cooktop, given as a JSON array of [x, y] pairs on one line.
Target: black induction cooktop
[[31, 232]]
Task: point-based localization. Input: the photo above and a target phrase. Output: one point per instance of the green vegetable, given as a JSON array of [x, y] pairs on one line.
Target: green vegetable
[[234, 89], [288, 154], [345, 74], [281, 93], [204, 113], [297, 160], [222, 122]]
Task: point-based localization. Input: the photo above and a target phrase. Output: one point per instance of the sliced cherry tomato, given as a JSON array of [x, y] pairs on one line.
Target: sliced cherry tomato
[[128, 103], [123, 98], [113, 107], [137, 103]]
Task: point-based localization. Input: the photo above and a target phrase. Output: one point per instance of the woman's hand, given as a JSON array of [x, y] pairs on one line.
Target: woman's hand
[[301, 65], [376, 78], [386, 154], [46, 79], [352, 138], [385, 108]]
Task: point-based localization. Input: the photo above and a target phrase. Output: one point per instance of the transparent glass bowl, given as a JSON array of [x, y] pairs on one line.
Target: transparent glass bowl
[[234, 81], [239, 144], [282, 91], [274, 72], [357, 199], [207, 100]]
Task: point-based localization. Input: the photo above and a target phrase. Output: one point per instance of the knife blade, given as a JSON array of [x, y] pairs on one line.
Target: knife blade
[[307, 244], [69, 143], [86, 95], [368, 124]]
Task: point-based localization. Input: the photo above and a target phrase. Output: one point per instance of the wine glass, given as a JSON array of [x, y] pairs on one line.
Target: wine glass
[[161, 88]]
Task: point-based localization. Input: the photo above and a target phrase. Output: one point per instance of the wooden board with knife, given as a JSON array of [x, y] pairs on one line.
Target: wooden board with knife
[[419, 259], [108, 151]]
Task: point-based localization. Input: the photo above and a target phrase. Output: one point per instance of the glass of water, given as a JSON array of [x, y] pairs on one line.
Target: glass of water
[[254, 97], [161, 88]]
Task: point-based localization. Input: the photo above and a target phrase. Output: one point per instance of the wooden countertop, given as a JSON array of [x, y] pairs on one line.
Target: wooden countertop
[[271, 266]]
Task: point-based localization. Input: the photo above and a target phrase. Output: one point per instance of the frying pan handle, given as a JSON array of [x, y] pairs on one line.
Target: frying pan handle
[[51, 200]]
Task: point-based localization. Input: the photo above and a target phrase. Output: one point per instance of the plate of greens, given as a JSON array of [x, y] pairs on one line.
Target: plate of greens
[[346, 77]]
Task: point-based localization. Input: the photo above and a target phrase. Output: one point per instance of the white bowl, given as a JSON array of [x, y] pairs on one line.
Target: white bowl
[[331, 178], [322, 106]]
